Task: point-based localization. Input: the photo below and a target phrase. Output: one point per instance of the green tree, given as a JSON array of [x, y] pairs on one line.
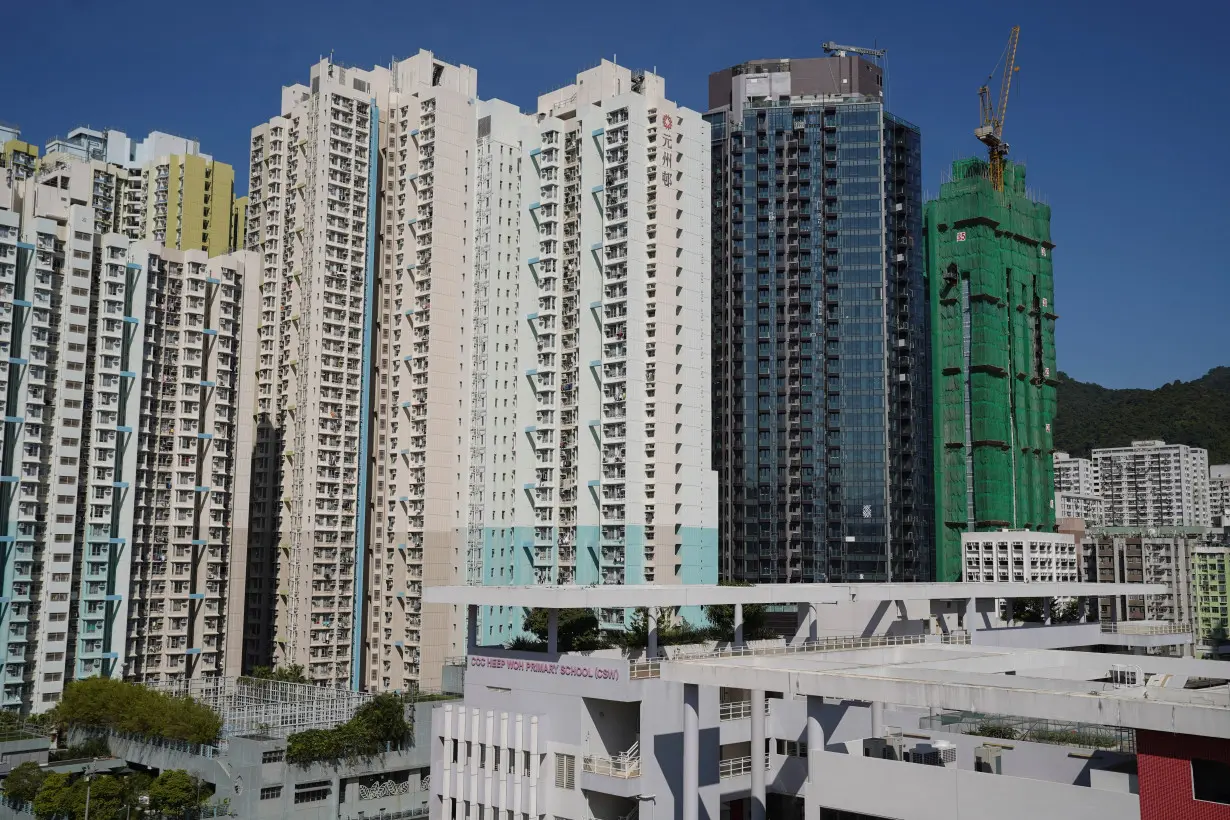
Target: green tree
[[24, 781], [173, 792], [722, 619], [54, 796], [106, 797], [105, 703], [294, 673], [1032, 610], [671, 631], [383, 719], [577, 630], [1192, 413]]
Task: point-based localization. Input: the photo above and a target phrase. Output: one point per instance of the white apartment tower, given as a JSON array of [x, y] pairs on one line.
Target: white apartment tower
[[120, 400], [482, 360], [1219, 491], [1075, 475], [1154, 484], [359, 206], [613, 475]]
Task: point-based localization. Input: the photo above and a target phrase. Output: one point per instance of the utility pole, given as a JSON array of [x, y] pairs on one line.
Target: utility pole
[[89, 773]]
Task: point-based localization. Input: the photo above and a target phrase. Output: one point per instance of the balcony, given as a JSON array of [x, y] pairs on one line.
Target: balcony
[[624, 766]]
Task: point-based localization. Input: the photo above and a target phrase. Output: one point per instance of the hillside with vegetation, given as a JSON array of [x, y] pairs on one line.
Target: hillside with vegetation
[[1196, 413]]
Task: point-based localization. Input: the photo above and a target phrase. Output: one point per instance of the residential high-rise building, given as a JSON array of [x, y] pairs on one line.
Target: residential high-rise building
[[1089, 508], [1152, 555], [481, 359], [121, 401], [1219, 492], [605, 393], [1075, 475], [1211, 605], [822, 404], [992, 295], [162, 188], [359, 206], [1154, 484], [18, 158]]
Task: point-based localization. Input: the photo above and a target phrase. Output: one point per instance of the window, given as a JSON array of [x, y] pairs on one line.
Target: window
[[1211, 781], [565, 771], [272, 792], [314, 792], [273, 756]]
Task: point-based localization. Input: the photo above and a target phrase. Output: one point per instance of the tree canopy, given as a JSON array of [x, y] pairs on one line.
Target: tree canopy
[[376, 724], [173, 792], [577, 631], [128, 707], [1196, 413], [1032, 610], [24, 781], [293, 673]]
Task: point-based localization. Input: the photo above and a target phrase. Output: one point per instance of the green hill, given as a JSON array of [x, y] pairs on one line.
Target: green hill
[[1195, 413]]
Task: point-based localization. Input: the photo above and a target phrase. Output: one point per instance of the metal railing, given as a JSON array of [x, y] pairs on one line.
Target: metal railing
[[653, 669], [739, 709], [623, 766], [830, 644], [736, 766], [645, 669], [1053, 732], [1145, 628]]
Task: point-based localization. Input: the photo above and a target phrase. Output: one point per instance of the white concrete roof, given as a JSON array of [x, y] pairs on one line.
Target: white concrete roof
[[643, 595], [1046, 684]]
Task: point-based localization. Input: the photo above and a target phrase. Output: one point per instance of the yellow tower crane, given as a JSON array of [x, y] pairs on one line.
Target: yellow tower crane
[[991, 130]]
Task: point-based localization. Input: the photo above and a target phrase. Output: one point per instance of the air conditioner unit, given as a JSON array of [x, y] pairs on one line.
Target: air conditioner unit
[[989, 759], [886, 748], [937, 753]]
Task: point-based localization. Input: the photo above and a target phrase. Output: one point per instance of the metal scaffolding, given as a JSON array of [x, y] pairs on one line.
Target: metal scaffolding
[[253, 706]]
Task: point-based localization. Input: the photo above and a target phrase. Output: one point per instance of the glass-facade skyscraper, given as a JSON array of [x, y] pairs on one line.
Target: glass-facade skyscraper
[[822, 398]]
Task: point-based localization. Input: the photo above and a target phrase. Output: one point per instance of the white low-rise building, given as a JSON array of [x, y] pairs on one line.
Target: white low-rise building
[[926, 707], [1020, 556]]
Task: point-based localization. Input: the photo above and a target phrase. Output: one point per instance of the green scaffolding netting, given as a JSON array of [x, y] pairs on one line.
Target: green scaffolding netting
[[992, 298]]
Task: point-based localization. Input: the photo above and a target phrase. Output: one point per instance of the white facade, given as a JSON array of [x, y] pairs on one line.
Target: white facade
[[1219, 490], [1020, 557], [795, 729], [117, 148], [1075, 475], [615, 485], [360, 206], [123, 388], [1154, 484], [1089, 508]]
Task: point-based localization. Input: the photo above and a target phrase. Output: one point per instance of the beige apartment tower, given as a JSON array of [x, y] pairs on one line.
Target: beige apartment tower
[[359, 211]]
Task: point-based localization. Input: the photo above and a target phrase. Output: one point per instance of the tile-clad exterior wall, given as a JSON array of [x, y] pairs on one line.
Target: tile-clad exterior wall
[[309, 220], [1165, 774], [606, 410], [1154, 484], [360, 208], [119, 393], [423, 353]]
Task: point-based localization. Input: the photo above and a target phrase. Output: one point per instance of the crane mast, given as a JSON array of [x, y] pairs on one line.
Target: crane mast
[[990, 130]]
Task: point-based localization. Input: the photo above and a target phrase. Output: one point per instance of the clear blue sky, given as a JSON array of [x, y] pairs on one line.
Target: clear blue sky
[[1111, 104]]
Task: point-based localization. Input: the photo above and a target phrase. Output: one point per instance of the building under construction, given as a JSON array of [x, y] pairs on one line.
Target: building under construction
[[992, 301]]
